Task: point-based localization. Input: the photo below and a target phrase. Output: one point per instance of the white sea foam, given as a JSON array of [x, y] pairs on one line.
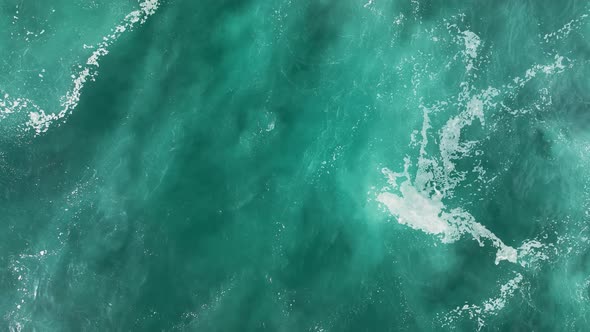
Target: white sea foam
[[489, 307], [472, 42], [418, 201], [428, 214], [419, 196], [39, 119], [567, 28], [451, 146], [417, 210], [532, 252], [554, 68]]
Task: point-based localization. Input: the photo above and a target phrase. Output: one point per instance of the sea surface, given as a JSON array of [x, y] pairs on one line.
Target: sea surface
[[282, 165]]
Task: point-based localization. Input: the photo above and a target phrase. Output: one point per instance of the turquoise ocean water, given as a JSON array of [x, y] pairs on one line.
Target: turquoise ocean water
[[313, 165]]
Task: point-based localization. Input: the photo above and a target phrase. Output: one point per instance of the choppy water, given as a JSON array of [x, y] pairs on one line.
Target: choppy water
[[325, 165]]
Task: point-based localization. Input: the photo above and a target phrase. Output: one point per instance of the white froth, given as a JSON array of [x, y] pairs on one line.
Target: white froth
[[554, 68], [489, 307], [419, 203], [566, 29], [532, 252], [9, 105], [472, 43], [451, 146], [427, 213], [415, 210], [39, 120], [419, 200]]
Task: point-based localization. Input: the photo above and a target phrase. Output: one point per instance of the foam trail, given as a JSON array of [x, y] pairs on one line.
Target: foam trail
[[419, 200], [428, 214], [9, 105], [567, 28], [472, 42], [39, 120], [489, 307], [419, 204]]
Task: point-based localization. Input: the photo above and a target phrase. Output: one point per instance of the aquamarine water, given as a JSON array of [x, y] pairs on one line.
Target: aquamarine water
[[314, 165]]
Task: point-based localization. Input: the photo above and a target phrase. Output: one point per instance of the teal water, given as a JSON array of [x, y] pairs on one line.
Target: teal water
[[326, 165]]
